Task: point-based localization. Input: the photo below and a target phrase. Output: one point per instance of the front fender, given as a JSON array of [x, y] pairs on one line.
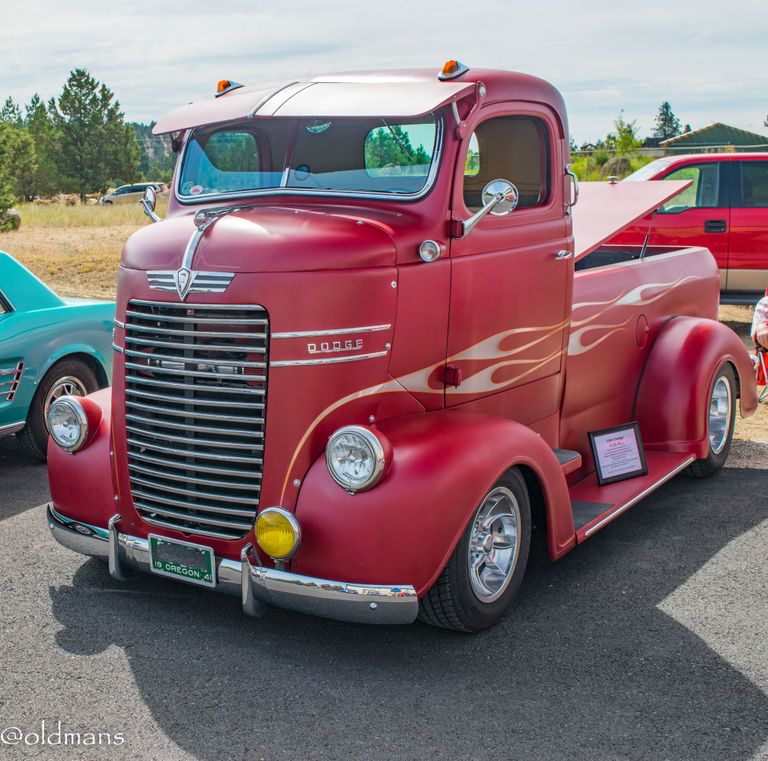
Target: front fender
[[404, 530], [676, 383], [82, 484]]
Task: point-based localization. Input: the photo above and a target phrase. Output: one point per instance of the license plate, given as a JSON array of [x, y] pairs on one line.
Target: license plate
[[182, 560]]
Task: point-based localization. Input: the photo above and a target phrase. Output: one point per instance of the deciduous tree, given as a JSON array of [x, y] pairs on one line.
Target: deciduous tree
[[624, 141]]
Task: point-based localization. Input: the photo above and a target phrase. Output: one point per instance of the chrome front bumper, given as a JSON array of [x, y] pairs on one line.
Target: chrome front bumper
[[255, 584]]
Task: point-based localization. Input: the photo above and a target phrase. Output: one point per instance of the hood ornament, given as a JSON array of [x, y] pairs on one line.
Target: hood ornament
[[186, 280]]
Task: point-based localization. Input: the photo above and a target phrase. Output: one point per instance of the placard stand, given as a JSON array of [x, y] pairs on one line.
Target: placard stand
[[618, 453]]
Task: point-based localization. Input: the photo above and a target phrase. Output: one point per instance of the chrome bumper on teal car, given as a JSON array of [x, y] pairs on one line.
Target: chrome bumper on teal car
[[255, 584]]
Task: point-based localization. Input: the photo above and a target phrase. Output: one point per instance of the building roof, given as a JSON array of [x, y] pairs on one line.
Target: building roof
[[716, 135]]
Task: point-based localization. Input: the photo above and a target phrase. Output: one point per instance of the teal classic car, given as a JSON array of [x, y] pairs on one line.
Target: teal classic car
[[49, 346]]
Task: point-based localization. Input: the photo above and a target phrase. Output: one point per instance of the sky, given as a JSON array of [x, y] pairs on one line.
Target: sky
[[603, 56]]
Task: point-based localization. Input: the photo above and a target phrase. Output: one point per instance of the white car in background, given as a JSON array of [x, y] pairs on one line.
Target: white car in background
[[131, 193]]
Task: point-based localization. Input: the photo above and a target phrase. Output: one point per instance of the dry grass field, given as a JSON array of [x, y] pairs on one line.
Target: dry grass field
[[76, 250]]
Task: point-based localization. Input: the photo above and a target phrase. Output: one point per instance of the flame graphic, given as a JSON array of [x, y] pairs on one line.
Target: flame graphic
[[482, 381]]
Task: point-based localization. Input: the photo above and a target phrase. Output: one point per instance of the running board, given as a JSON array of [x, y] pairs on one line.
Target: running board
[[569, 460], [596, 506]]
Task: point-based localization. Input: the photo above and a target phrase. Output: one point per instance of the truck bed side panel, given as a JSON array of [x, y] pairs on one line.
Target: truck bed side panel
[[618, 311]]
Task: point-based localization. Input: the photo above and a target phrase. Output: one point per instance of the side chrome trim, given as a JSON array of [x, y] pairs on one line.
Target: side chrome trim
[[329, 361], [6, 301], [622, 508], [119, 324], [118, 349], [247, 579], [269, 97], [7, 430], [185, 305], [332, 331]]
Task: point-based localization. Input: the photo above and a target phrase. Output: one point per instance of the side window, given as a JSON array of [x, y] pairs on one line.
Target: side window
[[514, 148], [703, 192], [754, 184]]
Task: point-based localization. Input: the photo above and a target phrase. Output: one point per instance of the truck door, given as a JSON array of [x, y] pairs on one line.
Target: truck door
[[700, 215], [748, 256], [511, 276]]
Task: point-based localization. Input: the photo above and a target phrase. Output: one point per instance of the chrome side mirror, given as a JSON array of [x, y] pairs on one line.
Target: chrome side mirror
[[500, 197], [149, 203]]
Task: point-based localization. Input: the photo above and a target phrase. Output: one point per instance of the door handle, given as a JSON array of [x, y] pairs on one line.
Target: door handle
[[563, 254], [715, 226]]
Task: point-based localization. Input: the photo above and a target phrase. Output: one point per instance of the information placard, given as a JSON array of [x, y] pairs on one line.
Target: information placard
[[618, 453]]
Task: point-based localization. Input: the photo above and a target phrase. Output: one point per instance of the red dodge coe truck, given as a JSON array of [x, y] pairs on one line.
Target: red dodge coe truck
[[363, 354]]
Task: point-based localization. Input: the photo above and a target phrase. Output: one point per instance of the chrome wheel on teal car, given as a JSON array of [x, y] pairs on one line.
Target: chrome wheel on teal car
[[69, 376], [69, 385]]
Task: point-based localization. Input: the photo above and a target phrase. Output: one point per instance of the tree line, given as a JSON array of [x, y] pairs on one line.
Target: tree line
[[77, 142], [618, 153]]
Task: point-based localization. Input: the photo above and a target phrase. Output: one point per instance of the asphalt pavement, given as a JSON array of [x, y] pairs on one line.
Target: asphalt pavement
[[647, 642]]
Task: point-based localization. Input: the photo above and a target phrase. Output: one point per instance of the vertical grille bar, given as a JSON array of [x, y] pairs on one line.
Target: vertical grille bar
[[195, 413]]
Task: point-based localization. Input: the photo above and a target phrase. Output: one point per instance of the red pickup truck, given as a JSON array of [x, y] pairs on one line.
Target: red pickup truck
[[376, 341], [725, 209]]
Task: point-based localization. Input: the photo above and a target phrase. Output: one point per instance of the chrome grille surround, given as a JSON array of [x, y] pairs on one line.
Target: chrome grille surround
[[195, 414]]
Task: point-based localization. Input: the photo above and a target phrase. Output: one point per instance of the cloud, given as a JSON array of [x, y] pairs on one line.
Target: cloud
[[601, 55]]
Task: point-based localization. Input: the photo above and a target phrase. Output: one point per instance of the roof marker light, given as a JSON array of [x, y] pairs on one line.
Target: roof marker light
[[452, 69], [226, 85]]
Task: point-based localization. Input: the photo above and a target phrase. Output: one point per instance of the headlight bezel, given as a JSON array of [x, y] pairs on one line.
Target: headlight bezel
[[295, 527], [378, 448], [73, 404]]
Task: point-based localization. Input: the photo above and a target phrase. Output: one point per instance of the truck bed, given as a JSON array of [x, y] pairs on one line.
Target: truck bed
[[620, 303]]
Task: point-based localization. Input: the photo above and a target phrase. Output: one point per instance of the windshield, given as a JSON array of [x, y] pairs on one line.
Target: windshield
[[371, 155], [649, 170]]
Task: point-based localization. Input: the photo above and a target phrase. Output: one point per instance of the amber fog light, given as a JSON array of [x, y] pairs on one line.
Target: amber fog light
[[277, 533]]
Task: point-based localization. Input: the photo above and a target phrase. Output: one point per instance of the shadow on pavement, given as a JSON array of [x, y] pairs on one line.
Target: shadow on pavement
[[587, 666], [23, 479]]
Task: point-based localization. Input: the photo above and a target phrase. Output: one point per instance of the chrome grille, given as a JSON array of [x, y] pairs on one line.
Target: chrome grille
[[195, 405]]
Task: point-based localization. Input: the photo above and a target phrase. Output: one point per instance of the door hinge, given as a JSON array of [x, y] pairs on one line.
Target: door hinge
[[452, 376]]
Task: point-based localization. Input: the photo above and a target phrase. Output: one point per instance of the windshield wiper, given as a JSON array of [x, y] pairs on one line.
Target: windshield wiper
[[400, 144]]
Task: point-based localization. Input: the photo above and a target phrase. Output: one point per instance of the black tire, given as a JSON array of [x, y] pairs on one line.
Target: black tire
[[715, 460], [34, 435], [452, 602]]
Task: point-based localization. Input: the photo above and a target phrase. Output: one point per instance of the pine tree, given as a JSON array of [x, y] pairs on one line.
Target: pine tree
[[10, 113], [667, 124], [43, 180], [95, 145]]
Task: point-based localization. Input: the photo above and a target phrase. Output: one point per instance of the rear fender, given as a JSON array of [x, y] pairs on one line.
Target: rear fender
[[404, 530], [69, 350], [677, 380], [82, 484]]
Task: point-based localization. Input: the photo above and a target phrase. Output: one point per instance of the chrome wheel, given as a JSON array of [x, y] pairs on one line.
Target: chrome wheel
[[494, 544], [69, 385], [719, 422]]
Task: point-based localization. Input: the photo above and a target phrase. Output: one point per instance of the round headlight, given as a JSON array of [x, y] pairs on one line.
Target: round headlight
[[277, 533], [68, 423], [355, 458]]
